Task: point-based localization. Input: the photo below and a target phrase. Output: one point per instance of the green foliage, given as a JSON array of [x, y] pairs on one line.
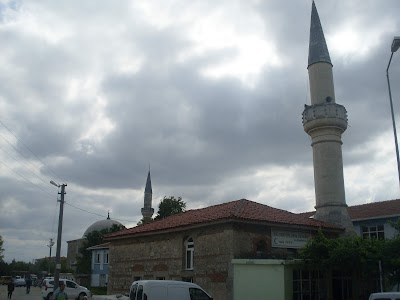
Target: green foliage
[[169, 206], [391, 254], [396, 225], [93, 238], [360, 256], [98, 290], [1, 248], [316, 251], [343, 253]]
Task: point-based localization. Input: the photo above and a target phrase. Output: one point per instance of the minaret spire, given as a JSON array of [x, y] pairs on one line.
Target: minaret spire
[[325, 121], [148, 188], [318, 50], [147, 210]]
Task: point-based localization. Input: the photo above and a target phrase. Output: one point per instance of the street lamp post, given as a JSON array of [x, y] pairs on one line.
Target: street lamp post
[[60, 219], [394, 48], [50, 245]]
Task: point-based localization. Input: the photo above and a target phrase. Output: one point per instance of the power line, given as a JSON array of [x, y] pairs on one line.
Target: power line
[[22, 164], [89, 212], [35, 166], [31, 151], [27, 179]]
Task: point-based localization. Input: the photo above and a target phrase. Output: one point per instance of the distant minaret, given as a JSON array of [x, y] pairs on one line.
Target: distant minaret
[[147, 210], [325, 121]]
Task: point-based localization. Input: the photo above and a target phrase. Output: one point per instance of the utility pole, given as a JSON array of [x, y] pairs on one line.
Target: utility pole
[[60, 220], [50, 245]]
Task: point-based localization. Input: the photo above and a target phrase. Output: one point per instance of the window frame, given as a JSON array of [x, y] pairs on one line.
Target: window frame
[[376, 231], [105, 258], [189, 254], [97, 257]]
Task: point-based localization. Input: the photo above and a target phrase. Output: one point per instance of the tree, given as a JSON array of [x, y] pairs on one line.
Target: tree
[[169, 206], [1, 248], [346, 255], [83, 260]]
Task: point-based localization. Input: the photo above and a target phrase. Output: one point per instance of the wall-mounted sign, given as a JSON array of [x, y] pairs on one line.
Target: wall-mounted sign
[[289, 239]]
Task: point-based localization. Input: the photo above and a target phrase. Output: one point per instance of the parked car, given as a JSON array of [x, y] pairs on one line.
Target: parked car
[[166, 290], [19, 281], [73, 290], [385, 296], [395, 288]]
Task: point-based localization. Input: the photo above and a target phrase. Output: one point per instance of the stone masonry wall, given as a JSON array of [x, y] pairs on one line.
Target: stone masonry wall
[[163, 256]]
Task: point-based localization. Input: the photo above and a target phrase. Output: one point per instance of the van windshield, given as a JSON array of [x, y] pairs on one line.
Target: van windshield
[[132, 294], [197, 294]]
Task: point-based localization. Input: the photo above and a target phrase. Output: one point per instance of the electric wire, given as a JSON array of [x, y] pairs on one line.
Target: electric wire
[[99, 215], [37, 176], [33, 173], [31, 151], [26, 179]]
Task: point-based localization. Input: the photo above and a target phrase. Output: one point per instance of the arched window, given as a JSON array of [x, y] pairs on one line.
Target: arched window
[[189, 245]]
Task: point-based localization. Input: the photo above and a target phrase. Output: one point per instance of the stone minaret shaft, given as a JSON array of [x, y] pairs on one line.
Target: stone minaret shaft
[[147, 210], [325, 121]]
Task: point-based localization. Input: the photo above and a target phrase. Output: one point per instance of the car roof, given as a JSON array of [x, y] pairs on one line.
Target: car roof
[[385, 294], [155, 281]]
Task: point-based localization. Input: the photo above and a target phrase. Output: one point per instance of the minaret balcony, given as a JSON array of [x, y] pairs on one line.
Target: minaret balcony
[[324, 115]]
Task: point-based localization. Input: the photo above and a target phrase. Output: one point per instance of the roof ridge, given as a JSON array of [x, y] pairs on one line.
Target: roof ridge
[[375, 202], [242, 202]]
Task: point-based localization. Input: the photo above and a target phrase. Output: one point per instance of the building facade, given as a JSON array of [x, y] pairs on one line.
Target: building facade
[[99, 265], [199, 245]]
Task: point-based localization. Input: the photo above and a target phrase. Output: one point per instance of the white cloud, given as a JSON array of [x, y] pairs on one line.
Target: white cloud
[[210, 94]]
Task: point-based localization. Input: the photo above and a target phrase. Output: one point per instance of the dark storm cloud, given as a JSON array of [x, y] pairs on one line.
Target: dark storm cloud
[[69, 68]]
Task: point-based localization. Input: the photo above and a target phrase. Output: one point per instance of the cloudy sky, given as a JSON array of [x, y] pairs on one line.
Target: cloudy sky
[[209, 93]]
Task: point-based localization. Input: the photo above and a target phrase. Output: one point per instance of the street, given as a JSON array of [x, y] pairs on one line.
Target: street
[[20, 293]]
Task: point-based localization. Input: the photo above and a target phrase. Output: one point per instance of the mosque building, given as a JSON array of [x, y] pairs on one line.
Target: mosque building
[[242, 249], [74, 245]]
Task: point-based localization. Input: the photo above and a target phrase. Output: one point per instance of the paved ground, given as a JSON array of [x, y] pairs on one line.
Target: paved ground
[[20, 293]]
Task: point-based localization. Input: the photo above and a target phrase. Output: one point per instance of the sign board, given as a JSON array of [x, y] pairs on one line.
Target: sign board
[[289, 239]]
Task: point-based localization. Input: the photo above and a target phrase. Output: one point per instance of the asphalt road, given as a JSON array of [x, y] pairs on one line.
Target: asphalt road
[[20, 293]]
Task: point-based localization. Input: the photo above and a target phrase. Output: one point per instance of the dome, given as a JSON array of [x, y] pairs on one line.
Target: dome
[[100, 225]]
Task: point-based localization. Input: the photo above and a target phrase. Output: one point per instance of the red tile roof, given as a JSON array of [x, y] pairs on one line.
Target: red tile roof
[[241, 210], [375, 210], [389, 208]]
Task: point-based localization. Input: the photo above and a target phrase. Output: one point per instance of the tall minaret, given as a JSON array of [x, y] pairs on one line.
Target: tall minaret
[[147, 210], [325, 121]]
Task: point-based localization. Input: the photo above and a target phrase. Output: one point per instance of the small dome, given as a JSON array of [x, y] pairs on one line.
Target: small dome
[[100, 225]]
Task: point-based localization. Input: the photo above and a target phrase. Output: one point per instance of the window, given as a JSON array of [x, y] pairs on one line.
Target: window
[[97, 258], [70, 284], [189, 254], [139, 294], [197, 294], [160, 278], [373, 232], [187, 279], [132, 294], [105, 257]]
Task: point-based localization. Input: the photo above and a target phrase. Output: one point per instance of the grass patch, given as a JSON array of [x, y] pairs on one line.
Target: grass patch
[[98, 290]]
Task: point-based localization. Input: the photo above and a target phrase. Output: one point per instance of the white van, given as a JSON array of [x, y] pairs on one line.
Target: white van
[[166, 290], [385, 296]]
